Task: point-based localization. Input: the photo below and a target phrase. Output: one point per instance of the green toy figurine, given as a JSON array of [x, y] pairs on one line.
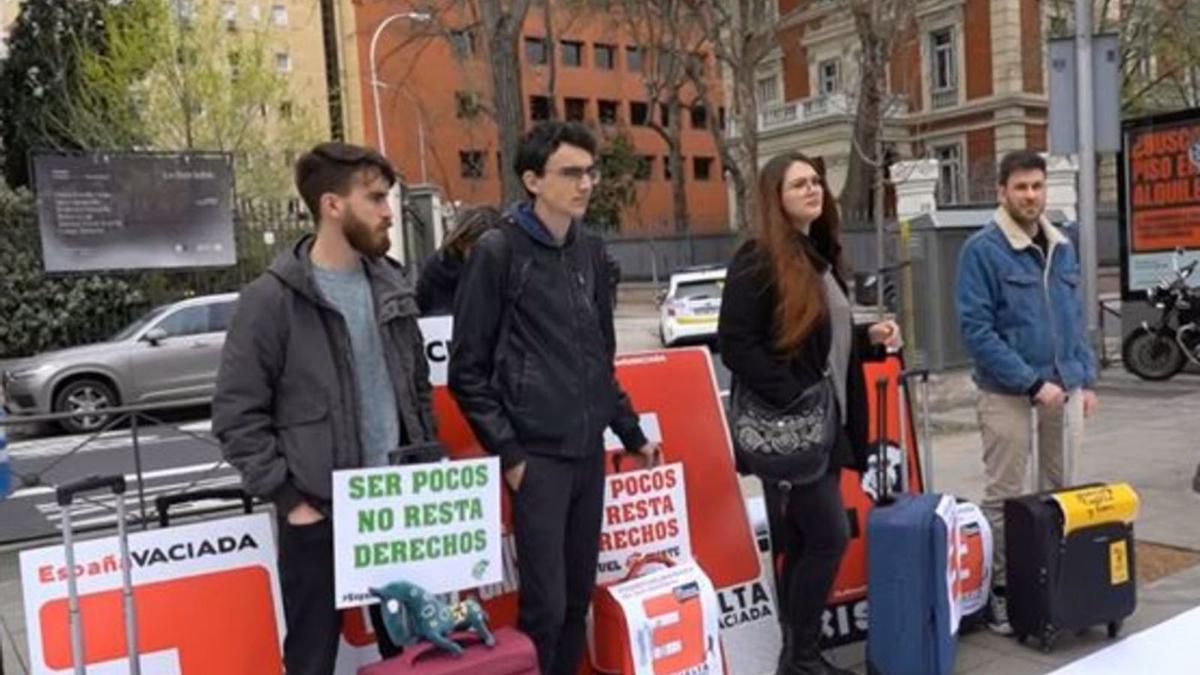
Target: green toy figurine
[[411, 613]]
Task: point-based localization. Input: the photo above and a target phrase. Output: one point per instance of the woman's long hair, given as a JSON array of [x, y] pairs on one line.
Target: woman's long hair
[[799, 290], [472, 223]]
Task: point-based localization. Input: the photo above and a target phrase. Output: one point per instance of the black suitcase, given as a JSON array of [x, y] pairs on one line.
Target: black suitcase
[[1062, 583]]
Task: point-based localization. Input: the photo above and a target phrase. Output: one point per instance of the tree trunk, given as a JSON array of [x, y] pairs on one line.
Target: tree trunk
[[551, 58], [508, 110], [857, 194], [746, 151], [675, 158]]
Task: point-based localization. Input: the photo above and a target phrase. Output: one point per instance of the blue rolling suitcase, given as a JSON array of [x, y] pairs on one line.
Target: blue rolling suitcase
[[910, 628]]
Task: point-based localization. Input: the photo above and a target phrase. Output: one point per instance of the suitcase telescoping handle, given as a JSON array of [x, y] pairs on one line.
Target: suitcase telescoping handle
[[163, 504], [1068, 459], [66, 496], [67, 491], [925, 440], [881, 468]]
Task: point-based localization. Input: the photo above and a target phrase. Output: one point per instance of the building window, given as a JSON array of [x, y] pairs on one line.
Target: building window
[[254, 13], [830, 76], [950, 174], [608, 111], [603, 56], [539, 108], [279, 15], [633, 59], [644, 168], [572, 54], [767, 90], [471, 163], [466, 105], [575, 109], [639, 113], [702, 168], [283, 62], [462, 42], [537, 51], [285, 110], [664, 114], [699, 116], [721, 118], [944, 75], [229, 14]]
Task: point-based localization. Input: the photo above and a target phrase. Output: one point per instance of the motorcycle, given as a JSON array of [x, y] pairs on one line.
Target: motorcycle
[[1159, 350]]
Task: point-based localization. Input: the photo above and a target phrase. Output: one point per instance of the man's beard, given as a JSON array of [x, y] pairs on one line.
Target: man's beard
[[363, 239], [1018, 214]]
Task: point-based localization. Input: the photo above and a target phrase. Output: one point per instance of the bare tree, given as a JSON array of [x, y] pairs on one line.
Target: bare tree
[[1159, 55], [742, 33], [498, 23], [882, 26], [673, 44]]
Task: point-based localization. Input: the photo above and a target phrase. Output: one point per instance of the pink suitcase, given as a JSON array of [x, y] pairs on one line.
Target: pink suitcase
[[513, 655]]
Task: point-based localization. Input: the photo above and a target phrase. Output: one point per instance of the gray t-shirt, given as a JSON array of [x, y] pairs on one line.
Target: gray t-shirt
[[378, 420], [840, 321]]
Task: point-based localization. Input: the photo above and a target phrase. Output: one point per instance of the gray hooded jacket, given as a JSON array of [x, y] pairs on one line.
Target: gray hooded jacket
[[285, 411]]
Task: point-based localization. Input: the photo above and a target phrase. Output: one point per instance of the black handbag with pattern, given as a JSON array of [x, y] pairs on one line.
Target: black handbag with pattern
[[792, 445]]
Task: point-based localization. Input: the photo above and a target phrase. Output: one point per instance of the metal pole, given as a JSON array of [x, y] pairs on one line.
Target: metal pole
[[74, 619], [137, 467], [878, 196], [375, 83], [127, 599], [420, 130], [1087, 165]]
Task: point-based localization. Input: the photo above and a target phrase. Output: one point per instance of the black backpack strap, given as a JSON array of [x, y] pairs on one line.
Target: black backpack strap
[[520, 262]]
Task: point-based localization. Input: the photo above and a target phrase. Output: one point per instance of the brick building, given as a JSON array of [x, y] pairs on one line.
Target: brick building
[[434, 84], [965, 86]]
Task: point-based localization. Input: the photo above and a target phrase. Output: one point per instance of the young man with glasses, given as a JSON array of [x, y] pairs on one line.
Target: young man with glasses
[[532, 369], [323, 368]]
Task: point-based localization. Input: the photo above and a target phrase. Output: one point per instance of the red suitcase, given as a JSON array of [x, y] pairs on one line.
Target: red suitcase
[[513, 655]]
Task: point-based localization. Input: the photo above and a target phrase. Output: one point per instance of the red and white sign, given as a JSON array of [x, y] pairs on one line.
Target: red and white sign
[[672, 621], [970, 562], [206, 597], [645, 513]]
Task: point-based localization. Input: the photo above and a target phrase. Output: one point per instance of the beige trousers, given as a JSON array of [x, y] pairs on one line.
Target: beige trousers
[[1004, 422]]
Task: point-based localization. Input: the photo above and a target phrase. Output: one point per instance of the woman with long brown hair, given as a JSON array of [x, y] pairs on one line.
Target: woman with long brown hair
[[785, 325]]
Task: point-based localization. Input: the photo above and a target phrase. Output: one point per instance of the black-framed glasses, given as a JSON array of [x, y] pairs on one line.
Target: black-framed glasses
[[576, 173]]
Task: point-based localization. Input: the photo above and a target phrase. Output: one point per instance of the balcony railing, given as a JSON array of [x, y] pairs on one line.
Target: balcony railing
[[944, 98], [793, 113]]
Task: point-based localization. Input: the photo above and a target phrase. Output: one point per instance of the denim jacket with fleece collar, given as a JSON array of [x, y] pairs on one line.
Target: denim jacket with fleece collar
[[1020, 312]]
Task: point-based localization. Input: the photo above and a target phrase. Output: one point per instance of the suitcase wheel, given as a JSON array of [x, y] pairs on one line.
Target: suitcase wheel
[[1114, 629]]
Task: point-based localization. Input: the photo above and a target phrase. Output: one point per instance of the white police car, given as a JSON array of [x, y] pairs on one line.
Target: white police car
[[691, 305]]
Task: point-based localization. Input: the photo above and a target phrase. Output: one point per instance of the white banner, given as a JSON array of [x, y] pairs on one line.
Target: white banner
[[218, 574], [645, 512], [434, 525], [672, 616]]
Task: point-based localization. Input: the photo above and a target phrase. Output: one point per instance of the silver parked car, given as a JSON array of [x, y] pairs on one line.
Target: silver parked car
[[169, 354]]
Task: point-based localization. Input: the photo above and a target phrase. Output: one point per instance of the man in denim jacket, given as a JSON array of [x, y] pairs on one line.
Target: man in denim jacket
[[1021, 316]]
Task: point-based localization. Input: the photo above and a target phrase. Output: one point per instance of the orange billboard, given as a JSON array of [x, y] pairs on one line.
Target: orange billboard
[[1163, 186]]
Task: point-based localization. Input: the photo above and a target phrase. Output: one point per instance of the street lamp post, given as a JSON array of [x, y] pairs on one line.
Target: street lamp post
[[376, 84]]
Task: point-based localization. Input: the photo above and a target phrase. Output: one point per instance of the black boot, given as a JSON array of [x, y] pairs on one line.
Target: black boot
[[805, 656], [785, 652]]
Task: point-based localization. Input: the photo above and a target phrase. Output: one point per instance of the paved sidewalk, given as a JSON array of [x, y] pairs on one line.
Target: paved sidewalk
[[1145, 433]]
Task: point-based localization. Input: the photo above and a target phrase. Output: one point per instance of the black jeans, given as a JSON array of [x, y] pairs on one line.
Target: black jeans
[[556, 520], [313, 622], [809, 528]]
